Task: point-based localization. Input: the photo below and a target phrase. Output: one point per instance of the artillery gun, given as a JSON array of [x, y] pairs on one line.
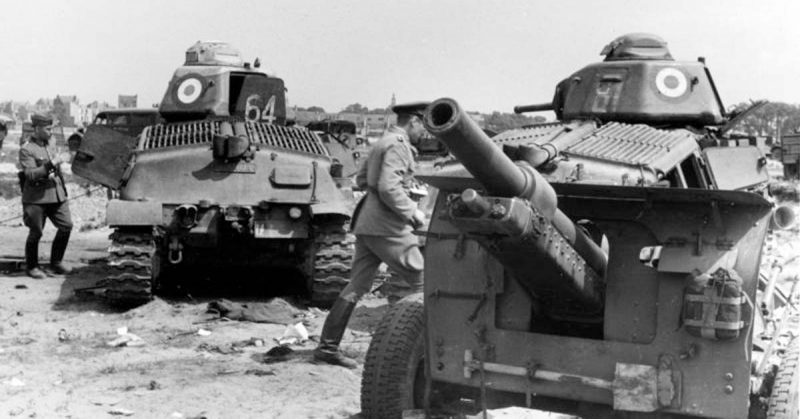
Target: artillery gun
[[221, 182], [605, 265]]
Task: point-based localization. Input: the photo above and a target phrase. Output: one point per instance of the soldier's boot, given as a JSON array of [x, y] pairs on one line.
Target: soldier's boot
[[32, 259], [57, 253], [335, 324]]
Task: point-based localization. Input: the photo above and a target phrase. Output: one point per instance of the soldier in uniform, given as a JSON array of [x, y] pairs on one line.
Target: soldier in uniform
[[3, 133], [384, 221], [44, 196]]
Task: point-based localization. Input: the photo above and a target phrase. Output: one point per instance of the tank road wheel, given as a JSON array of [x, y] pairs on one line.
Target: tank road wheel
[[131, 256], [784, 401], [394, 376], [332, 259]]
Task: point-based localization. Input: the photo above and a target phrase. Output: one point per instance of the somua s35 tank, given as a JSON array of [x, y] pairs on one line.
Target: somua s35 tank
[[606, 264], [222, 182]]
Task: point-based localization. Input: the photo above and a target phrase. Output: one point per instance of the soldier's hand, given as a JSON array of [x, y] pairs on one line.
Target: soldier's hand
[[418, 220], [56, 161]]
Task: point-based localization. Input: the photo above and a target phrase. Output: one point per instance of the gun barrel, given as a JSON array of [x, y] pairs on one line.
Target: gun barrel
[[534, 108], [473, 148], [445, 119]]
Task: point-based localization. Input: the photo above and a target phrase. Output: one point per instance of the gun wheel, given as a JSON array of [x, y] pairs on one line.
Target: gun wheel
[[394, 373]]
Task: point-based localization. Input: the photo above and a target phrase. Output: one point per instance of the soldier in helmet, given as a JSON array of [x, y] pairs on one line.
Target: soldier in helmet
[[44, 196], [383, 224]]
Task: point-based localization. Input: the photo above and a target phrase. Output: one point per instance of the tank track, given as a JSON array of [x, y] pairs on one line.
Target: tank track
[[130, 262], [332, 259]]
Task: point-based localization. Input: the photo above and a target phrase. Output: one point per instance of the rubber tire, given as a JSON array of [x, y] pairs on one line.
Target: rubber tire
[[784, 402], [393, 378]]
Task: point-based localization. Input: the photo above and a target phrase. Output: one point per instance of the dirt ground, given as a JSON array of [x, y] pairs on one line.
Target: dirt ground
[[55, 361]]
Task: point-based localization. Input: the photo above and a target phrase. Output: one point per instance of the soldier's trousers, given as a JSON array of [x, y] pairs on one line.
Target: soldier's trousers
[[400, 253], [34, 217]]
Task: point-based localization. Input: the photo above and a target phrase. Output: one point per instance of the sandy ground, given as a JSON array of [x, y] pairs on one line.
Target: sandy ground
[[55, 361]]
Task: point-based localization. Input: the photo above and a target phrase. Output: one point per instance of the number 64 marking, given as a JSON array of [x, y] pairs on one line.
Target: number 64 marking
[[253, 113]]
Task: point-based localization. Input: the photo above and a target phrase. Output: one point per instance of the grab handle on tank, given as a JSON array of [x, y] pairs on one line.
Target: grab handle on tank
[[175, 251]]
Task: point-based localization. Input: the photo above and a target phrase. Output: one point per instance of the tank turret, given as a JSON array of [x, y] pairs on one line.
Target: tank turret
[[214, 81], [639, 82]]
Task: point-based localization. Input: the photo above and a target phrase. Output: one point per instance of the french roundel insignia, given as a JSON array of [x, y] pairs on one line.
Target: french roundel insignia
[[671, 82], [189, 90]]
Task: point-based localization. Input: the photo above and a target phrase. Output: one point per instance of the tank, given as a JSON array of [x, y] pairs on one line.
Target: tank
[[604, 265], [221, 182]]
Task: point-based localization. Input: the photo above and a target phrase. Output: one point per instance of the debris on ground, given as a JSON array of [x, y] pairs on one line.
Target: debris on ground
[[125, 339], [295, 333], [63, 336], [278, 353], [257, 342], [105, 401], [121, 412], [14, 382], [276, 310], [226, 349], [259, 373]]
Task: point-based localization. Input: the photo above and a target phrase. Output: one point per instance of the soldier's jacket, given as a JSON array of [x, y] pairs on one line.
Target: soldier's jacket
[[387, 175], [41, 186]]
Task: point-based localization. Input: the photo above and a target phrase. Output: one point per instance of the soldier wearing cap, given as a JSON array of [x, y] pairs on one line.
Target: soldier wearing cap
[[3, 133], [383, 224], [44, 196]]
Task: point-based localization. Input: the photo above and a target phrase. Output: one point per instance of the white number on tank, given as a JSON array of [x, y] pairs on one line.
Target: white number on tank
[[253, 113]]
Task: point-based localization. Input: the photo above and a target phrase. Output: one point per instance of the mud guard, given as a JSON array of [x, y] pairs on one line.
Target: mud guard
[[330, 208], [133, 213], [104, 155]]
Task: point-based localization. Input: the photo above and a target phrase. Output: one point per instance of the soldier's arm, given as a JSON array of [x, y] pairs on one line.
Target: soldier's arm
[[361, 176], [27, 162], [390, 183]]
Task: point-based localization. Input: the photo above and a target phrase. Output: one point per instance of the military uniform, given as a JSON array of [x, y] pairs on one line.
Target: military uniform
[[44, 196], [383, 224]]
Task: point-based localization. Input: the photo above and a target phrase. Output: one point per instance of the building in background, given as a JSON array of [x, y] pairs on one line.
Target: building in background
[[127, 101], [67, 110]]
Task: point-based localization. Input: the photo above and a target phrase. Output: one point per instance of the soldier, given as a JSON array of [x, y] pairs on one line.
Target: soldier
[[383, 220], [44, 195], [3, 133]]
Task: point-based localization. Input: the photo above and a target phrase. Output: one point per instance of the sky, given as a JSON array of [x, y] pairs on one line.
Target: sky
[[488, 55]]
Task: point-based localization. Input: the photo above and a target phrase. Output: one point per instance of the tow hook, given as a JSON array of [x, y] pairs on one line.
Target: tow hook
[[175, 251]]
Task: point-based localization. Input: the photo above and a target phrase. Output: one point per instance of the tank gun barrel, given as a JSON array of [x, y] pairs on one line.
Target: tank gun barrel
[[534, 108], [501, 177]]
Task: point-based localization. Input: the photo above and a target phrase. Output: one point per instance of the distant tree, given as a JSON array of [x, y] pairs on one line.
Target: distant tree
[[315, 109], [499, 122], [356, 108], [768, 119], [8, 108], [60, 113], [22, 113]]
